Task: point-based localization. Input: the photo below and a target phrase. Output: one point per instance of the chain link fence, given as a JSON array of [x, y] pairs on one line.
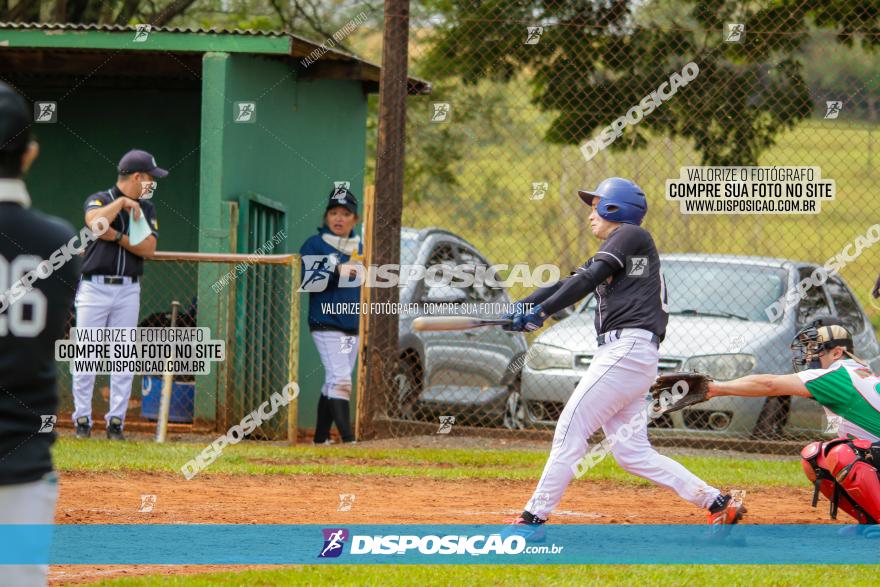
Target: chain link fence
[[248, 301], [533, 101]]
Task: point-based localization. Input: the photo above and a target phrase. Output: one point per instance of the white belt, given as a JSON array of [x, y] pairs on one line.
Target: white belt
[[619, 333]]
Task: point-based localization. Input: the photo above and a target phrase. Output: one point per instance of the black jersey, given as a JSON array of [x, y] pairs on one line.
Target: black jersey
[[29, 328], [109, 258], [635, 295]]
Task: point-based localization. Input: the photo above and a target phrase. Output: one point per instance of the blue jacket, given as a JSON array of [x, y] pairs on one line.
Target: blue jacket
[[332, 294]]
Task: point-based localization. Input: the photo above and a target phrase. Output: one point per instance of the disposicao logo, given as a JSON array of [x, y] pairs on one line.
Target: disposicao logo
[[334, 539], [317, 271]]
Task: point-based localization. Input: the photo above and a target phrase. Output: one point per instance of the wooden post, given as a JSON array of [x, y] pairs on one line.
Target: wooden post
[[381, 354], [293, 356], [361, 412]]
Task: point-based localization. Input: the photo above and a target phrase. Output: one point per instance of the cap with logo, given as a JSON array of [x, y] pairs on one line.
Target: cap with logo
[[343, 197], [137, 161], [15, 121]]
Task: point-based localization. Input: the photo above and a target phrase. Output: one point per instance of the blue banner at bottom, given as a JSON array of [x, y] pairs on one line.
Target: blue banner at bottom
[[102, 544]]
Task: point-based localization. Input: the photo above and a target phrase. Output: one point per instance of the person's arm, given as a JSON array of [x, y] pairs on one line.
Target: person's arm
[[145, 248], [542, 293], [760, 386], [575, 282], [573, 289], [305, 249], [109, 213]]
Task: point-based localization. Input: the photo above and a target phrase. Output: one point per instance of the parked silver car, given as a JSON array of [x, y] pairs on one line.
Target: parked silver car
[[718, 324], [469, 374]]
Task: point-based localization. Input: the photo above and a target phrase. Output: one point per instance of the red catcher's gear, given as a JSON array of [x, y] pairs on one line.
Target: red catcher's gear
[[845, 471]]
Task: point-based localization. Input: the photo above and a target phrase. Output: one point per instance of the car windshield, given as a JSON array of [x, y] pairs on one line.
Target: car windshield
[[722, 289], [702, 288]]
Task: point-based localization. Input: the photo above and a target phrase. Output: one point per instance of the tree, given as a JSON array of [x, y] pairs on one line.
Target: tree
[[596, 60], [851, 75], [119, 12]]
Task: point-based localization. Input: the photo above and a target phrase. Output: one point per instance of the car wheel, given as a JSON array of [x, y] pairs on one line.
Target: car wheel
[[407, 387], [515, 416], [772, 419], [515, 412]]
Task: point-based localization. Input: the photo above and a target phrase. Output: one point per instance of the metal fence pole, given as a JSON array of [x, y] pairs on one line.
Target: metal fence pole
[[167, 384]]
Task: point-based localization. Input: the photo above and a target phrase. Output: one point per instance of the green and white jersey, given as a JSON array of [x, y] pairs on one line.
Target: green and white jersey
[[851, 391]]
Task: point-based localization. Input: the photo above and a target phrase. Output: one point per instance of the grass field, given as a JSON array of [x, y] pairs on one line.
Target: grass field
[[401, 576], [252, 458]]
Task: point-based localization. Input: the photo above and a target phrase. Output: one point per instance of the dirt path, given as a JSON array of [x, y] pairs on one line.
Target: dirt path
[[88, 498]]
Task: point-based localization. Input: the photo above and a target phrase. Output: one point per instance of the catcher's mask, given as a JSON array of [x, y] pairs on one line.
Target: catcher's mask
[[822, 334]]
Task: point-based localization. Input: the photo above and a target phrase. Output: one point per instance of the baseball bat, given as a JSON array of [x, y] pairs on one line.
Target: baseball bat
[[423, 323]]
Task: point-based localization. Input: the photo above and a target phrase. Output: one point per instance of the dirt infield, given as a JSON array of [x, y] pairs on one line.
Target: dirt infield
[[91, 498]]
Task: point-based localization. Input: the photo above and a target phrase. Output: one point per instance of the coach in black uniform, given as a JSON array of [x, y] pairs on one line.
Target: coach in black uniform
[[29, 326], [631, 318], [110, 293]]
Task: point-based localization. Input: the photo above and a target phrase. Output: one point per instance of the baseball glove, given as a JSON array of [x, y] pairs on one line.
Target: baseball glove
[[674, 391]]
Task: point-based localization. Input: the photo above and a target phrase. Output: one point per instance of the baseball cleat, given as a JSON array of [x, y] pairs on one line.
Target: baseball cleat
[[727, 509], [526, 525], [114, 429], [83, 428]]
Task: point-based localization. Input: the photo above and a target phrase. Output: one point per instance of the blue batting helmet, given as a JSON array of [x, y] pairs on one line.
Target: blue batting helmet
[[620, 200]]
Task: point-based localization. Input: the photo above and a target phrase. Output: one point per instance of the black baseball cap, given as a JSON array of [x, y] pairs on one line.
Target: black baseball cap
[[15, 121], [343, 197], [140, 161]]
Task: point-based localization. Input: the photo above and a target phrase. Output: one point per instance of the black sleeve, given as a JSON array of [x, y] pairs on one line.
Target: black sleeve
[[541, 294], [584, 280], [625, 241]]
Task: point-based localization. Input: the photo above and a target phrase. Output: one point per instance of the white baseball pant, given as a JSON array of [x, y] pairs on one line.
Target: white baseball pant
[[613, 395], [338, 352], [112, 306], [28, 503]]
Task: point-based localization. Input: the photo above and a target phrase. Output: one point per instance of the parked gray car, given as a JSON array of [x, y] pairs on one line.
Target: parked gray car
[[718, 325], [470, 374]]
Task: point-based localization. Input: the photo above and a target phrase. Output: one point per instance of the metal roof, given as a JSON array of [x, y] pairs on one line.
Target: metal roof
[[117, 28], [192, 40]]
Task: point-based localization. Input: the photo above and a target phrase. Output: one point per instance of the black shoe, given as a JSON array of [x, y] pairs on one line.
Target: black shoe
[[114, 429], [83, 428], [527, 525]]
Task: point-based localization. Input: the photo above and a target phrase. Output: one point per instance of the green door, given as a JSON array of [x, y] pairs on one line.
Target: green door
[[263, 314]]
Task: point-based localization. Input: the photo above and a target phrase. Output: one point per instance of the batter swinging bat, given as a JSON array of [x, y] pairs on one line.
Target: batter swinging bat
[[456, 322]]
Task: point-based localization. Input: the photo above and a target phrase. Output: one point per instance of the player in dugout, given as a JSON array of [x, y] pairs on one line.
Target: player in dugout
[[331, 253]]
